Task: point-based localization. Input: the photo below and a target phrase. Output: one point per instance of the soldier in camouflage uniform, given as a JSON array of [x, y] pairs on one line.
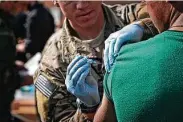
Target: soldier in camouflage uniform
[[54, 103]]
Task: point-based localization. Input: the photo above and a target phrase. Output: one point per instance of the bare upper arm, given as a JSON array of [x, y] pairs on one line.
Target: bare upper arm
[[106, 112]]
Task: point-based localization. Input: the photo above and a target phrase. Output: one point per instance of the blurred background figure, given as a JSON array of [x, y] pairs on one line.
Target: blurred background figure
[[8, 83], [39, 27], [56, 13], [34, 25], [24, 29]]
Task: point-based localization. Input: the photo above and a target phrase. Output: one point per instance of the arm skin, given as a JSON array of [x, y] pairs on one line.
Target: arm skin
[[105, 112]]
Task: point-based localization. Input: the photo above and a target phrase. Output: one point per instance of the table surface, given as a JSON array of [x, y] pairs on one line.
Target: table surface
[[23, 106]]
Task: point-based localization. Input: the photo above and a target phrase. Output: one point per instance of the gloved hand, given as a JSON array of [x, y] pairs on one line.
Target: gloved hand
[[81, 83], [115, 41]]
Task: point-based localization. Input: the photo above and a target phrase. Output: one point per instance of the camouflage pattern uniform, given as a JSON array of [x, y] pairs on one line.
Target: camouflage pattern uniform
[[54, 103]]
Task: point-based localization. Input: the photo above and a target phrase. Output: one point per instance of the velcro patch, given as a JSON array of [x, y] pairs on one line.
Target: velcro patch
[[45, 86]]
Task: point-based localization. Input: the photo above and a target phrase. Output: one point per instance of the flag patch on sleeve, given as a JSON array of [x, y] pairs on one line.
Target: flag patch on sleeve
[[45, 86]]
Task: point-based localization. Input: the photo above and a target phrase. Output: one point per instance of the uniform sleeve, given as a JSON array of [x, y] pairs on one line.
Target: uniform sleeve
[[130, 12], [136, 12], [54, 103]]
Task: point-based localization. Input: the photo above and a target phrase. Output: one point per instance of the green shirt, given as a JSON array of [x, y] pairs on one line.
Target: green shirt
[[146, 82]]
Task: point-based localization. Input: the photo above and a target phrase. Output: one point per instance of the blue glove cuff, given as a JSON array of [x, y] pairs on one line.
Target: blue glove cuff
[[138, 24], [84, 108]]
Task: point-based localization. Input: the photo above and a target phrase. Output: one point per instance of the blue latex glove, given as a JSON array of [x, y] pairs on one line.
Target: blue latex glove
[[80, 81], [115, 41]]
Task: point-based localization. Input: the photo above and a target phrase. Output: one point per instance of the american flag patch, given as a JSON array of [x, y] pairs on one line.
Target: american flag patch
[[45, 86]]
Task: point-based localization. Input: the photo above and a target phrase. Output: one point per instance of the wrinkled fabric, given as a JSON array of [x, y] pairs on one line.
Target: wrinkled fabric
[[145, 84]]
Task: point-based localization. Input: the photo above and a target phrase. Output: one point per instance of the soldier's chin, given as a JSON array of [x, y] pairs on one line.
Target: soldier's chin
[[86, 23]]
